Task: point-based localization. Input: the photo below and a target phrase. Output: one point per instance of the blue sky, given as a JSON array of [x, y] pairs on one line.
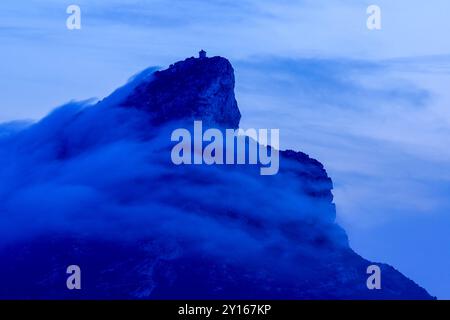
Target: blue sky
[[373, 106]]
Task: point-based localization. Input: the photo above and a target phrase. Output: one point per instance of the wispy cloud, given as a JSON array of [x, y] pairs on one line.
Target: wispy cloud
[[380, 128], [373, 106]]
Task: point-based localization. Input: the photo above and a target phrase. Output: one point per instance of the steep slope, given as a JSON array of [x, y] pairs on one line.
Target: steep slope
[[194, 88], [93, 185]]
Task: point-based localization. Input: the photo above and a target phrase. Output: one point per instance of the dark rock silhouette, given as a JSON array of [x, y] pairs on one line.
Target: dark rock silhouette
[[143, 228], [190, 89]]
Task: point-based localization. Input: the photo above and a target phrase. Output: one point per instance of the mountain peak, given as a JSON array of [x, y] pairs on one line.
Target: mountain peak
[[197, 88], [186, 232]]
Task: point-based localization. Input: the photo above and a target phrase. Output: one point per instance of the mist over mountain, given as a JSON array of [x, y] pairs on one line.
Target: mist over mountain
[[92, 184]]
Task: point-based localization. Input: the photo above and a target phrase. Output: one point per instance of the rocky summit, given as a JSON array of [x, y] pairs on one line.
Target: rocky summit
[[92, 185], [190, 89]]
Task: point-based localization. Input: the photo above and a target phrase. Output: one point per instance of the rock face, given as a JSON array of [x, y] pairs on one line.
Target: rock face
[[204, 90], [99, 190]]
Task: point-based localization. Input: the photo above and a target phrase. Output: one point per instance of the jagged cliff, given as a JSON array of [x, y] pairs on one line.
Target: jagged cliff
[[98, 184], [205, 91]]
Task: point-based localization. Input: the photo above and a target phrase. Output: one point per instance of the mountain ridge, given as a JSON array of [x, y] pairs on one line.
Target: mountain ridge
[[102, 193]]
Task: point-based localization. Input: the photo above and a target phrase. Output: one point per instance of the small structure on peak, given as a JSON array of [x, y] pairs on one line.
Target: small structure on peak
[[202, 54]]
